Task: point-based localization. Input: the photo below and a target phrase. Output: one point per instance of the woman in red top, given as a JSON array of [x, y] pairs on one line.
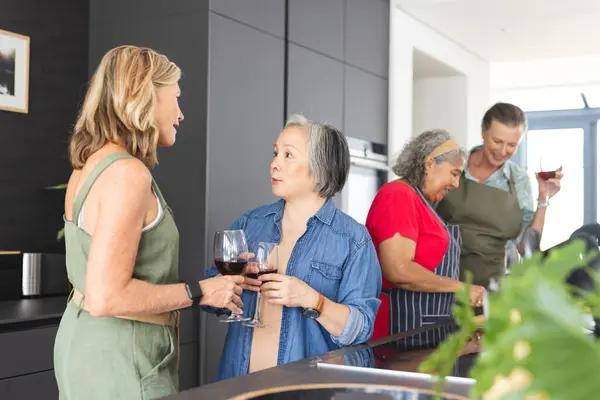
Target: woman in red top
[[419, 255]]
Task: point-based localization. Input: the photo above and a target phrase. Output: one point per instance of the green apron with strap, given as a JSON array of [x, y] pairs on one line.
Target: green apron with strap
[[98, 358], [488, 217]]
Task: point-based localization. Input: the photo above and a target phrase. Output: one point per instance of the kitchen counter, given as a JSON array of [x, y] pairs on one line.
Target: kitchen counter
[[385, 366], [30, 313]]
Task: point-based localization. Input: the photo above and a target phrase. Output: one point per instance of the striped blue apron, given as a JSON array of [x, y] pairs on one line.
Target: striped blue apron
[[412, 310]]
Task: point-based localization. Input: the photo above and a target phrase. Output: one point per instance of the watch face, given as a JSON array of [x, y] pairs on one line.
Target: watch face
[[310, 313], [193, 291]]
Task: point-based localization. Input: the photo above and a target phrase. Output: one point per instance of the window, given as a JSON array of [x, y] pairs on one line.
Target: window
[[566, 212]]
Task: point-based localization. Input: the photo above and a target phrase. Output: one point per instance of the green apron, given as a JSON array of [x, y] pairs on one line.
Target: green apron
[[488, 217], [115, 358]]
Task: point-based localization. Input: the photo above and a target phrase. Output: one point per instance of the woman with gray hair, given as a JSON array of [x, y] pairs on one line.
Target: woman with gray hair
[[325, 292], [418, 253]]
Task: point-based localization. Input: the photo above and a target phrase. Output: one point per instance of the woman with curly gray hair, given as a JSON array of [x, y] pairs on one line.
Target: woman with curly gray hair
[[418, 253]]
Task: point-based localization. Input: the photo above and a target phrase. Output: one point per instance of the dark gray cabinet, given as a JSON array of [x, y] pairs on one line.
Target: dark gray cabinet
[[315, 86], [367, 35], [26, 365], [267, 15], [41, 385], [188, 326], [188, 367], [245, 117], [27, 352], [318, 25], [366, 102]]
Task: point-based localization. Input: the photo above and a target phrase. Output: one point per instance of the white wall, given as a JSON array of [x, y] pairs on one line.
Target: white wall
[[571, 71], [407, 34], [440, 103]]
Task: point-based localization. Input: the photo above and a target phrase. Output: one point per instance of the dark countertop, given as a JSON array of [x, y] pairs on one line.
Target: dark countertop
[[28, 313], [391, 361]]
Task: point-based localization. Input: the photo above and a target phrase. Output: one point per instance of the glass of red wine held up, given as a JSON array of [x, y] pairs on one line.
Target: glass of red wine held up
[[265, 260], [231, 257], [549, 167]]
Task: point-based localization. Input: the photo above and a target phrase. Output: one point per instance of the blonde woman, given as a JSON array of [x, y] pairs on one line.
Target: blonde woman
[[118, 335]]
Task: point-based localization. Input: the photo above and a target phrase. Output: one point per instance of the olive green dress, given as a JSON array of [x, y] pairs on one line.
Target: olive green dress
[[116, 358]]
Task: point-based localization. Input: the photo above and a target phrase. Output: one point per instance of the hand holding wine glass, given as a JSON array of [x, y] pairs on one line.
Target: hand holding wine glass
[[251, 273], [549, 177], [265, 261], [288, 291], [223, 292], [231, 257]]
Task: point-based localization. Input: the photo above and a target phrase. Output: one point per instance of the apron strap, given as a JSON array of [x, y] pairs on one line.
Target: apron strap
[[511, 181], [451, 236]]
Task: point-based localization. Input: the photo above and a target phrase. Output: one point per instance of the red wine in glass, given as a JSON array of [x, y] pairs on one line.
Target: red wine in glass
[[230, 250], [255, 276], [549, 166], [545, 175], [266, 259], [231, 267]]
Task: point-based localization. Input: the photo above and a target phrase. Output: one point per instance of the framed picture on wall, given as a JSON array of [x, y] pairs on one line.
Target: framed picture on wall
[[14, 72]]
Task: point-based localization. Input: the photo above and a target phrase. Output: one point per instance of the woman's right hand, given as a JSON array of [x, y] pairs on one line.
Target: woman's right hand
[[252, 284], [476, 295], [223, 292]]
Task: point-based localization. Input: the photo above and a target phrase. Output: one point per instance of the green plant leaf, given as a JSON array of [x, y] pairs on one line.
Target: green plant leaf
[[60, 234], [534, 342], [542, 348], [441, 362], [57, 187]]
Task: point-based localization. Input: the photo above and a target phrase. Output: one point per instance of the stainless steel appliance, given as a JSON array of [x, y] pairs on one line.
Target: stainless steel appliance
[[369, 170], [44, 274], [26, 275]]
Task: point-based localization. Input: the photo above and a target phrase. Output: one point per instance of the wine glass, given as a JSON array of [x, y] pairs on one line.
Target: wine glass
[[549, 165], [266, 259], [231, 257]]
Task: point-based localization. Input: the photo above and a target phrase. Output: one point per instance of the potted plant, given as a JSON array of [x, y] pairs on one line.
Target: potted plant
[[533, 342], [63, 186]]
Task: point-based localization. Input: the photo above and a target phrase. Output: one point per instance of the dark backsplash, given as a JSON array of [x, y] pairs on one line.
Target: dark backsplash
[[34, 154]]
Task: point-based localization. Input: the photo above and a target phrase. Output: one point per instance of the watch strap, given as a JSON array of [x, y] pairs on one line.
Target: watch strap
[[320, 304], [194, 292], [316, 312]]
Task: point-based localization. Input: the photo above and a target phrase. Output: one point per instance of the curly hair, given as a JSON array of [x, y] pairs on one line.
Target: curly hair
[[410, 164]]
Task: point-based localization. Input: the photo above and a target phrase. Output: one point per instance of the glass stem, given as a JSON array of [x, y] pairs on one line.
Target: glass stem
[[257, 312]]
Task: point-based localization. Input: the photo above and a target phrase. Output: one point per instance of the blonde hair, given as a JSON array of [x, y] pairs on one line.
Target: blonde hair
[[120, 104]]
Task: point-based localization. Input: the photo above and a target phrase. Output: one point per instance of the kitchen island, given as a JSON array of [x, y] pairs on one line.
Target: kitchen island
[[381, 369]]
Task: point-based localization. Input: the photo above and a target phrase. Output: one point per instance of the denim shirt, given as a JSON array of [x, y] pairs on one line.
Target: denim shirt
[[336, 257]]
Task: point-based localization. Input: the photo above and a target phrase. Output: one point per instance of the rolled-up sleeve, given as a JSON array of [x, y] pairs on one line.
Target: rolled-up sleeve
[[359, 290]]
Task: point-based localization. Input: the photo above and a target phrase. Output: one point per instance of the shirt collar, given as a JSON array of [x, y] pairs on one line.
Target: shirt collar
[[325, 213], [505, 167]]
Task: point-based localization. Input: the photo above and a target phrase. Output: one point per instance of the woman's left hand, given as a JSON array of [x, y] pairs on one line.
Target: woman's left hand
[[288, 291], [549, 188]]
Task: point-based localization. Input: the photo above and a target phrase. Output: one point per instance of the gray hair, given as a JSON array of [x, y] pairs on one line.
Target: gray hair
[[410, 164], [328, 154], [505, 113]]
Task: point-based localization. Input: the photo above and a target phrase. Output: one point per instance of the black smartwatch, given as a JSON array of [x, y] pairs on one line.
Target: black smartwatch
[[194, 292]]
